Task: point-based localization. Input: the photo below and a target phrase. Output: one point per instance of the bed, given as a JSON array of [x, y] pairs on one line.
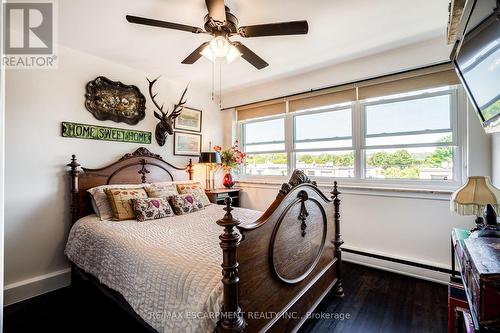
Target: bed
[[277, 265]]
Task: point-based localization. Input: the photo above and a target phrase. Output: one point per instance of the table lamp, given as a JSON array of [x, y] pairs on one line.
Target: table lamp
[[211, 159], [471, 198]]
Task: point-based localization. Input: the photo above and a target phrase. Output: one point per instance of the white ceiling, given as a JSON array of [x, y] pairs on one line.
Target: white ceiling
[[339, 30]]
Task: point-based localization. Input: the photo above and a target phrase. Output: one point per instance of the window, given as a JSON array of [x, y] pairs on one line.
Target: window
[[408, 138], [323, 143], [264, 142]]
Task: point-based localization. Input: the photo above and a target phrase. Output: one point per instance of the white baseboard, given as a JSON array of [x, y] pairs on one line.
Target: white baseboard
[[416, 272], [22, 290]]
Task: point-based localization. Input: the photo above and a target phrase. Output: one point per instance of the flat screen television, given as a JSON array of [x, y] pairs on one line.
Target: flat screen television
[[478, 66]]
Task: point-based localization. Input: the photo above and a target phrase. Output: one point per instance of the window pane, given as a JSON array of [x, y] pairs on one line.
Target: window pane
[[431, 113], [266, 164], [408, 94], [265, 147], [324, 144], [409, 139], [435, 163], [326, 164], [265, 131], [323, 125]]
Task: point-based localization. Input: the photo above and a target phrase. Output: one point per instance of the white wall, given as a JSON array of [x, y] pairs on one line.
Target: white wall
[[37, 210], [495, 159], [479, 146]]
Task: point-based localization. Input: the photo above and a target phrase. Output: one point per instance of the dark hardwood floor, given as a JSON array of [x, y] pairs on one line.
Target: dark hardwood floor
[[375, 301], [381, 301]]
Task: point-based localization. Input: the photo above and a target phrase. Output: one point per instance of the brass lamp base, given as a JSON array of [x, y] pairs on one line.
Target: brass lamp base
[[209, 178]]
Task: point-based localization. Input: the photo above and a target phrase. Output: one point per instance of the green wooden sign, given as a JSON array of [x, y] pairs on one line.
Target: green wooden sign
[[83, 131]]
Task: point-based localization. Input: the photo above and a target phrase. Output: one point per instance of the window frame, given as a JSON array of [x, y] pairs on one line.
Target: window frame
[[458, 113], [241, 138], [453, 121], [327, 109]]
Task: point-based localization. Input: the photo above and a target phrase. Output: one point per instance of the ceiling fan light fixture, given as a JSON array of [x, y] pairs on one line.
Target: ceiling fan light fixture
[[233, 54], [219, 46], [207, 53]]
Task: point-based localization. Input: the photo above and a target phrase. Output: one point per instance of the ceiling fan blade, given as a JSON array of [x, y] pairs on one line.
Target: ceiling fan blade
[[163, 24], [216, 10], [195, 55], [250, 56], [274, 29]]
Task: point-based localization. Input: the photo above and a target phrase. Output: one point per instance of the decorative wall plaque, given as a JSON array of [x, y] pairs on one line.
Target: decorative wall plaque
[[83, 131], [110, 100]]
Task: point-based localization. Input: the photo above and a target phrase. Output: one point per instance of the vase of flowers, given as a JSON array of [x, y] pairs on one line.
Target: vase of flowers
[[231, 159]]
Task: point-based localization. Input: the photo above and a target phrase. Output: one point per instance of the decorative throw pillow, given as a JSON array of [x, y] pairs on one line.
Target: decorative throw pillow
[[119, 199], [164, 190], [185, 203], [194, 188], [151, 208], [104, 210]]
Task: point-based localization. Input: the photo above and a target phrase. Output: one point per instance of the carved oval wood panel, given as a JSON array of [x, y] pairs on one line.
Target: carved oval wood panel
[[294, 250]]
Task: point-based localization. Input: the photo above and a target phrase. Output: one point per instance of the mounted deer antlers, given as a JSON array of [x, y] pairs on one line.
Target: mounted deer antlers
[[165, 126]]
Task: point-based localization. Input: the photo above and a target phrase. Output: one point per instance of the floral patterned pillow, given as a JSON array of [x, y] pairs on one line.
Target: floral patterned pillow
[[119, 199], [194, 188], [185, 203], [151, 208]]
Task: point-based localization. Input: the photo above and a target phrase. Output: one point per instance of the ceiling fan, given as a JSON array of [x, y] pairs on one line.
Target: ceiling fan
[[222, 24]]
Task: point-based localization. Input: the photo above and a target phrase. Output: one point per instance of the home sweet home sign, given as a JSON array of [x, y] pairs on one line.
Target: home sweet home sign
[[84, 131]]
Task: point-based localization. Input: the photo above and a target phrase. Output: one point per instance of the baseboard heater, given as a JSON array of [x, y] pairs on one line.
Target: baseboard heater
[[400, 261]]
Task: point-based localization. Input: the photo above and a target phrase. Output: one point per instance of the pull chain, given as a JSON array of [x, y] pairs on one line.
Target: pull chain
[[220, 85], [213, 80]]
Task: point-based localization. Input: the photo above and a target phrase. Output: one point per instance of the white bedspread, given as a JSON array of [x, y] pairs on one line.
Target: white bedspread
[[168, 270]]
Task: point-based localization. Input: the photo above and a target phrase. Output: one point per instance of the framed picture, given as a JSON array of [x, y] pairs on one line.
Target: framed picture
[[187, 144], [189, 120]]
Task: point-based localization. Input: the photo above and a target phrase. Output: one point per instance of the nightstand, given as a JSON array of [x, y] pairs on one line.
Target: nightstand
[[218, 195]]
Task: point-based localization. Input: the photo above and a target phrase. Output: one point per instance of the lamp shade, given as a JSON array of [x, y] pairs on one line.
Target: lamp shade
[[209, 157], [471, 198]]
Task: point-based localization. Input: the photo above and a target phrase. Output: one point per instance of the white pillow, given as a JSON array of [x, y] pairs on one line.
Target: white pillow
[[100, 199]]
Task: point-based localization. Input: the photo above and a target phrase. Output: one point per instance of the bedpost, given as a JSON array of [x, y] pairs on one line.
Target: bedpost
[[231, 319], [338, 290], [190, 169], [75, 213]]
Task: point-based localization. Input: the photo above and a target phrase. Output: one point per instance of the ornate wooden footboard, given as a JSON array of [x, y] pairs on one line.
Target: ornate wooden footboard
[[283, 264]]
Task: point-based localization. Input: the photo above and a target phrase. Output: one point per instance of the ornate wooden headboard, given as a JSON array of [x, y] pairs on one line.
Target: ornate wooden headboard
[[138, 167]]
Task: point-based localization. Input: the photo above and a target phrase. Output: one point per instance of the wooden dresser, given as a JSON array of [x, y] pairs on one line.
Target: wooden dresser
[[478, 260]]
